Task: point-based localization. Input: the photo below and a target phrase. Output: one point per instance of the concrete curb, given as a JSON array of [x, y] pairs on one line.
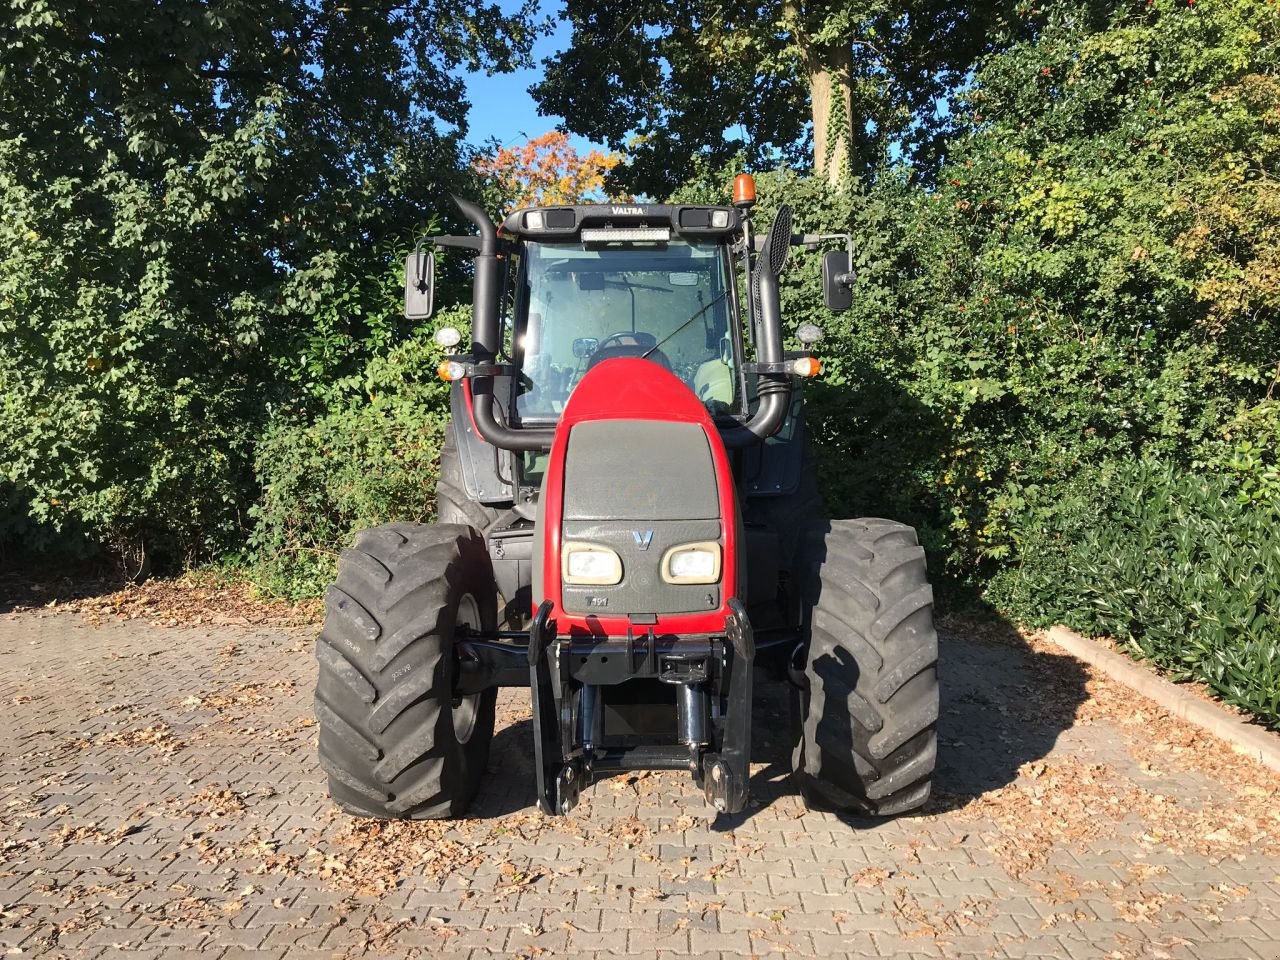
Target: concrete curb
[[1247, 738]]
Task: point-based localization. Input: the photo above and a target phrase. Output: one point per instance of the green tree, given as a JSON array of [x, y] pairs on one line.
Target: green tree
[[200, 201], [760, 78], [1092, 280]]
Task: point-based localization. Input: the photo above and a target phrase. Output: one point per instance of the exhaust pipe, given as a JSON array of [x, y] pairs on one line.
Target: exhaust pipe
[[773, 389], [486, 336]]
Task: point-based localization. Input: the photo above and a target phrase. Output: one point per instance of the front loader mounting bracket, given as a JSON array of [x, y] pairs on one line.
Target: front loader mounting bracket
[[562, 673], [725, 777], [558, 782]]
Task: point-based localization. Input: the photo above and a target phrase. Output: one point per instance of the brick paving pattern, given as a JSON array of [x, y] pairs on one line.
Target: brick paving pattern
[[159, 791]]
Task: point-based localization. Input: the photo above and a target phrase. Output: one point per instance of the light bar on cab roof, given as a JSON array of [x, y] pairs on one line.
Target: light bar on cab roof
[[623, 234]]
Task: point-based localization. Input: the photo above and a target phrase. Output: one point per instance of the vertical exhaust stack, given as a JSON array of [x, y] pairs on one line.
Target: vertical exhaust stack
[[486, 336], [773, 257], [773, 388], [486, 290]]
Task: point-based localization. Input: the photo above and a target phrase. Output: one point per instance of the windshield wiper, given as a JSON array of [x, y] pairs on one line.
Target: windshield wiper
[[714, 301]]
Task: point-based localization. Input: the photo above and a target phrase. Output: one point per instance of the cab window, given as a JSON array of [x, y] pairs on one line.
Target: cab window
[[669, 302]]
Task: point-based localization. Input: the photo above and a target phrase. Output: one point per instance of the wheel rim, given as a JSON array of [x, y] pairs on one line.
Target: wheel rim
[[465, 709]]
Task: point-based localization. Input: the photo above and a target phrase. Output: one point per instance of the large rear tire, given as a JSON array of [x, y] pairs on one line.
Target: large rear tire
[[394, 740], [865, 726]]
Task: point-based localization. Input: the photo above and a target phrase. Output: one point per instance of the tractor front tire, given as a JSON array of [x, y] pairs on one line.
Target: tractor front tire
[[394, 740], [865, 721]]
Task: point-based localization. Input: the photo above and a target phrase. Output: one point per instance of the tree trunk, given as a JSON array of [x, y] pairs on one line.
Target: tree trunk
[[831, 94], [829, 70]]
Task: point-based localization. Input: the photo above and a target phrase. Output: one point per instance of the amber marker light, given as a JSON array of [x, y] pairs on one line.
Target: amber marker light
[[744, 191], [451, 370], [807, 367]]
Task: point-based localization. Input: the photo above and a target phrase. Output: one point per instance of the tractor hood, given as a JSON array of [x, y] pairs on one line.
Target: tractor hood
[[637, 474]]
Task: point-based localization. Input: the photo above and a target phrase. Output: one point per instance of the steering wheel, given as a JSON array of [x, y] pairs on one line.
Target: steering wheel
[[642, 341], [628, 344]]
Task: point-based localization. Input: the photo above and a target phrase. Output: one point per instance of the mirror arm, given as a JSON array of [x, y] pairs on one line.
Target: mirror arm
[[462, 243]]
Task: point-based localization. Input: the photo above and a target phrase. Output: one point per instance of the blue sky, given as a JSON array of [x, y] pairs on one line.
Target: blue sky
[[501, 105]]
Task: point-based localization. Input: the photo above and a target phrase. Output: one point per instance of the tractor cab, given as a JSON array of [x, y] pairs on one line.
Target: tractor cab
[[560, 290]]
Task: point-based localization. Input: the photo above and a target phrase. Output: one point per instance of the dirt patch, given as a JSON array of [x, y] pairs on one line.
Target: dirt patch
[[190, 600]]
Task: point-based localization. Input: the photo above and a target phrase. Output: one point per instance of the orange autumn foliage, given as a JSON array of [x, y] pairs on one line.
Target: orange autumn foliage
[[548, 170]]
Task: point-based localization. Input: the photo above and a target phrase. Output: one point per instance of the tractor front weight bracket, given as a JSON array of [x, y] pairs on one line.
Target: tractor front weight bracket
[[564, 675], [559, 778]]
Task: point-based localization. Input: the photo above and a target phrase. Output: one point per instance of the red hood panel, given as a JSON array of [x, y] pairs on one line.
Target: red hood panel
[[631, 388]]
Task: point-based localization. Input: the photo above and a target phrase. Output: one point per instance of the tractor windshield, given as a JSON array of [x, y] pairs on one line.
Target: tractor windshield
[[584, 305]]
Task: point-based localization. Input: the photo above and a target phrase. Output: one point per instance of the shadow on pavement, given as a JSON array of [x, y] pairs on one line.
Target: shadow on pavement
[[509, 785], [29, 588], [1003, 705]]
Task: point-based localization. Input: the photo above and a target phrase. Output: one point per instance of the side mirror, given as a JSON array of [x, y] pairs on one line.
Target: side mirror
[[419, 284], [585, 347], [837, 280]]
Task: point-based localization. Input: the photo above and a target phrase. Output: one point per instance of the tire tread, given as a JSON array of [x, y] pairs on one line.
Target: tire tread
[[866, 740], [384, 694]]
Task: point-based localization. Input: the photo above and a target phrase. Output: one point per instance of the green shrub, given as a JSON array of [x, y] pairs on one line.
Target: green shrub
[[1091, 279], [371, 458], [198, 210], [1089, 288], [1172, 565]]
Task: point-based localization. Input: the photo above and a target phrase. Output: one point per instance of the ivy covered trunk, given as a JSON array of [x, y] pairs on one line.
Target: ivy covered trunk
[[830, 71]]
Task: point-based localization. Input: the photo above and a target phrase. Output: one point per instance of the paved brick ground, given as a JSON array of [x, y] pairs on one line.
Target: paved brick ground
[[158, 791]]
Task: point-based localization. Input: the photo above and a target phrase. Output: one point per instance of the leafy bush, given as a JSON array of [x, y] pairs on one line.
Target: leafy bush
[[1091, 279], [1172, 565], [370, 459], [199, 208], [1089, 286]]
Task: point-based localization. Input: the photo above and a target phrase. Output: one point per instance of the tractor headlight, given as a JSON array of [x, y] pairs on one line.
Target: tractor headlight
[[590, 564], [692, 563]]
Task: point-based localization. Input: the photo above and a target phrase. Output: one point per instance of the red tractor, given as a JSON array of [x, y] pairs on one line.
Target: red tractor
[[630, 526]]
